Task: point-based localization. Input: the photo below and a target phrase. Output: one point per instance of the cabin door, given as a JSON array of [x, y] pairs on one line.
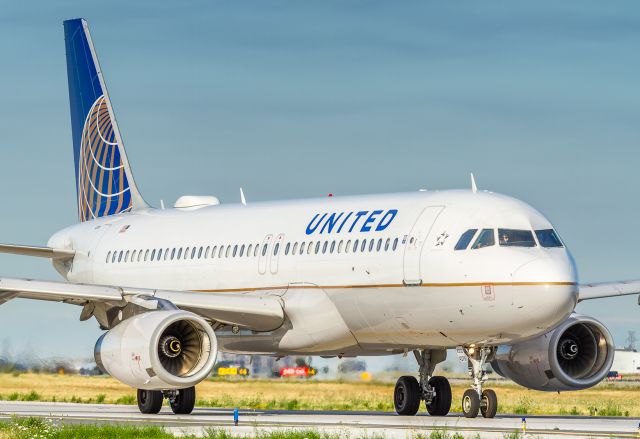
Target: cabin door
[[415, 242]]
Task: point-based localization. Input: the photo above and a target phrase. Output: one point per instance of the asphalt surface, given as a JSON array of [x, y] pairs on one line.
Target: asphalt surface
[[347, 423]]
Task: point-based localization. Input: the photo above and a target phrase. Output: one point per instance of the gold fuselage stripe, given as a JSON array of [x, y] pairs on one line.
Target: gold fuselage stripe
[[427, 285]]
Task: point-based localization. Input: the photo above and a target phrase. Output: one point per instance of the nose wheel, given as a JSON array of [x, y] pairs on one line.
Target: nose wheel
[[476, 400], [435, 391]]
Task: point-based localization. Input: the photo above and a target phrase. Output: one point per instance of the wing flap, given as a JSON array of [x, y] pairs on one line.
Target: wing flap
[[608, 289]]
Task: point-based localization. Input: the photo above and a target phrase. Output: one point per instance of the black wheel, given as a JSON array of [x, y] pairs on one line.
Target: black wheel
[[442, 402], [150, 401], [488, 403], [184, 401], [406, 396], [470, 403]]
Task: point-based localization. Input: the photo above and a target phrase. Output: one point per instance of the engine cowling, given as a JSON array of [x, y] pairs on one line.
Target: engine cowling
[[576, 355], [168, 349]]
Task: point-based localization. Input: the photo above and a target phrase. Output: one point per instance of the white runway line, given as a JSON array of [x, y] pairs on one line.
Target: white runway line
[[352, 423]]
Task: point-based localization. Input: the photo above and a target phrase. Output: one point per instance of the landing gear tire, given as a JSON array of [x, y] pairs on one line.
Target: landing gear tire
[[184, 401], [407, 396], [150, 401], [488, 403], [441, 403], [470, 403]]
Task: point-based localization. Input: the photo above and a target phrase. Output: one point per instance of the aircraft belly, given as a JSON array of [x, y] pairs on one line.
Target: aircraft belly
[[450, 315]]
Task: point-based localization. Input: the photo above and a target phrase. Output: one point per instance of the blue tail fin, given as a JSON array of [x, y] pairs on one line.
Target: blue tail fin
[[104, 182]]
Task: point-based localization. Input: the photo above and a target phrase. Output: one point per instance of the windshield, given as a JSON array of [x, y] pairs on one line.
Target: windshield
[[548, 238], [465, 239], [485, 239], [516, 238]]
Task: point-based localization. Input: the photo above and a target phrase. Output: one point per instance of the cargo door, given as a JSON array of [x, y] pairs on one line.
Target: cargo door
[[415, 242]]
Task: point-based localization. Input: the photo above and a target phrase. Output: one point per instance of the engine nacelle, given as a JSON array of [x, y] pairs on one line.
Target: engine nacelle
[[156, 350], [576, 355]]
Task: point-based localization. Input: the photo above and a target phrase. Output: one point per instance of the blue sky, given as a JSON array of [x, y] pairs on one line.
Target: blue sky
[[541, 100]]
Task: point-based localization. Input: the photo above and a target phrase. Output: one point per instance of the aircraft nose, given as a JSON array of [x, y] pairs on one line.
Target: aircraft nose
[[546, 269]]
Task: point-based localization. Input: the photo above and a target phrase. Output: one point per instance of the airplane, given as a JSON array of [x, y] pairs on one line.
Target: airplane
[[342, 276]]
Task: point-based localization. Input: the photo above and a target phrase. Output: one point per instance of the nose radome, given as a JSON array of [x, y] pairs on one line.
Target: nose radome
[[546, 270]]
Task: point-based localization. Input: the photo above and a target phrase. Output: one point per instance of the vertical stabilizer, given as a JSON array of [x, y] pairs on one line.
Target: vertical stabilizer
[[104, 181]]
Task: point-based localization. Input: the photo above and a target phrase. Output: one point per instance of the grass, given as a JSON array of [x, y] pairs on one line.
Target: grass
[[28, 428], [603, 400]]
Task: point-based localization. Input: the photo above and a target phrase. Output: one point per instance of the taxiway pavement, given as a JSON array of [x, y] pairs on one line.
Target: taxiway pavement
[[352, 423]]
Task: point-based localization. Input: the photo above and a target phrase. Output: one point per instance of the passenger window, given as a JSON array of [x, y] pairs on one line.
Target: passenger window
[[516, 238], [146, 255], [548, 238], [309, 247], [276, 248], [333, 247], [221, 251], [179, 254], [264, 250], [485, 239], [153, 254], [249, 250], [286, 249], [395, 244], [255, 250], [371, 243], [126, 256], [317, 247], [386, 244], [186, 253], [193, 252], [302, 248], [340, 246], [173, 253], [364, 246], [206, 252], [133, 256], [465, 239], [113, 257], [347, 247], [294, 250], [355, 246], [120, 256], [108, 256], [166, 254], [379, 245], [242, 250], [159, 254], [324, 247]]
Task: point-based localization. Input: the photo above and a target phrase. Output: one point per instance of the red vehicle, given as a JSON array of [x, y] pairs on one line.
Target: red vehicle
[[297, 371]]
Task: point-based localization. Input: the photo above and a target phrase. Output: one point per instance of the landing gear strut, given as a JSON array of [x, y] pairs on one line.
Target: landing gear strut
[[181, 401], [476, 400], [435, 391]]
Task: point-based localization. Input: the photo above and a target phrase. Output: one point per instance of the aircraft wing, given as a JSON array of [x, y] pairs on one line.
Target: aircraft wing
[[259, 312], [608, 289], [41, 252]]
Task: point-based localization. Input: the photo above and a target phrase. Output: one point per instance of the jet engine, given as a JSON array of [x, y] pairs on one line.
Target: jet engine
[[575, 355], [158, 350]]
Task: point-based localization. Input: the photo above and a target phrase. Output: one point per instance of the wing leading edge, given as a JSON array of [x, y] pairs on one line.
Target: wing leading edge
[[608, 289], [259, 312]]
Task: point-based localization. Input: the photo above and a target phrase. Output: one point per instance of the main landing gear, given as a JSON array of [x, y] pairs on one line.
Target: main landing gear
[[435, 391], [181, 401], [476, 400]]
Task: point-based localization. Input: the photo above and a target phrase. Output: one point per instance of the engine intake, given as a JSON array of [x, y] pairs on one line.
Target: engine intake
[[576, 355], [168, 349]]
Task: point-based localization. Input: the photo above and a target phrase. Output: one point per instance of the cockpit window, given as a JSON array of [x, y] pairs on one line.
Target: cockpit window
[[516, 238], [548, 238], [485, 239], [465, 239]]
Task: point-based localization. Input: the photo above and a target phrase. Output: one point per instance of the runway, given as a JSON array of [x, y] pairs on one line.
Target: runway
[[351, 423]]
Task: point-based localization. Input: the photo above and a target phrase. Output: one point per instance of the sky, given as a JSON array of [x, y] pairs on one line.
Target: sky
[[289, 99]]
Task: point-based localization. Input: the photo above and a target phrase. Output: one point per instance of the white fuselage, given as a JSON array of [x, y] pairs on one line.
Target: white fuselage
[[405, 287]]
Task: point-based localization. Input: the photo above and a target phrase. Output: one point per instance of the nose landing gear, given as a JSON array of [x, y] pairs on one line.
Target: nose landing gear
[[435, 391], [476, 400]]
